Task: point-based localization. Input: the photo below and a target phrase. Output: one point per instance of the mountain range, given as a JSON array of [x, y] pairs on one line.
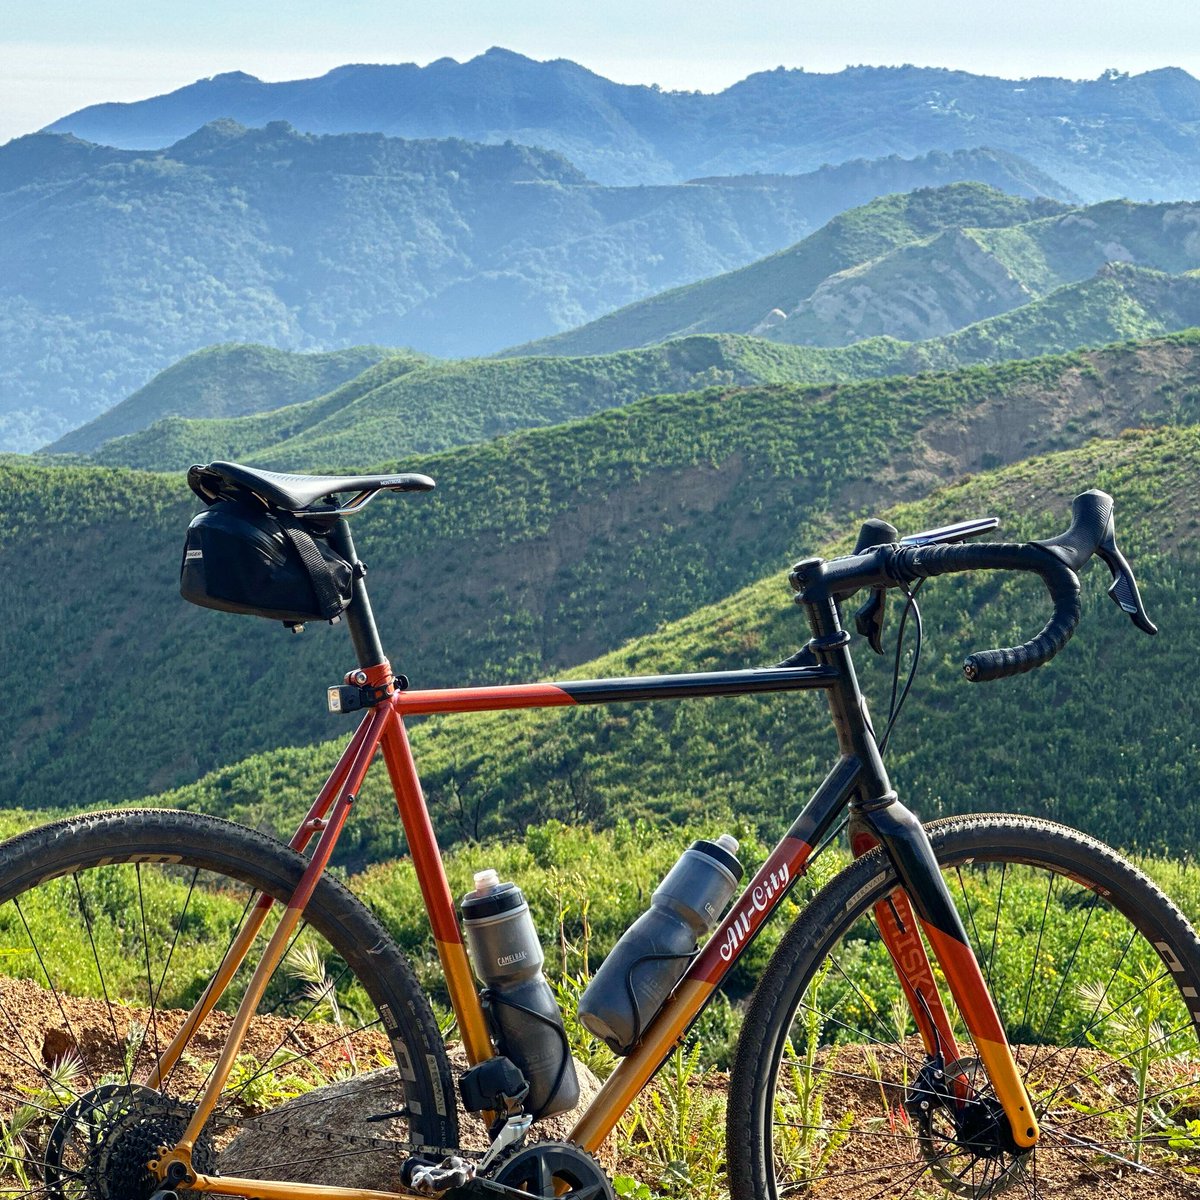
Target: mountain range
[[1118, 135], [119, 262]]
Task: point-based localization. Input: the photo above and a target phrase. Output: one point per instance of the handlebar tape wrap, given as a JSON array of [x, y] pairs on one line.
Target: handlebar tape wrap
[[923, 562]]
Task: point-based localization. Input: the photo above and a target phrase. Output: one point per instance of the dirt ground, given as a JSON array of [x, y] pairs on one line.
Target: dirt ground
[[36, 1031]]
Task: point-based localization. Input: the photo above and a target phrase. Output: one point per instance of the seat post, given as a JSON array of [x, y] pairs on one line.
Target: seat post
[[359, 617]]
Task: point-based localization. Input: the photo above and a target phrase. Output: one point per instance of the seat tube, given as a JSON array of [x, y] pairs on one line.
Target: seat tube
[[360, 619]]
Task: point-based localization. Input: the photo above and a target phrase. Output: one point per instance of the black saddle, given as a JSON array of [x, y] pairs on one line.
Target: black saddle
[[296, 493]]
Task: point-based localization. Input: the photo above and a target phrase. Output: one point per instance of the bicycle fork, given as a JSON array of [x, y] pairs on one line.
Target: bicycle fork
[[923, 903]]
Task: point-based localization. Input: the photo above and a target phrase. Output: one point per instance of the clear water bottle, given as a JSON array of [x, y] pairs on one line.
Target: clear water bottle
[[526, 1024], [634, 981]]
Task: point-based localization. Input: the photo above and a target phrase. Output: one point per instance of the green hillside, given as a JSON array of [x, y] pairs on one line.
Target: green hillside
[[935, 286], [1087, 740], [738, 301], [895, 269], [229, 380], [436, 406], [537, 552], [392, 411]]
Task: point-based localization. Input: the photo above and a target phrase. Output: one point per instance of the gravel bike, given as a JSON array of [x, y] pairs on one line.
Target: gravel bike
[[984, 1004]]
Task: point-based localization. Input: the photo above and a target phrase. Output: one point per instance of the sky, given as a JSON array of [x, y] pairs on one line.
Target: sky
[[59, 55]]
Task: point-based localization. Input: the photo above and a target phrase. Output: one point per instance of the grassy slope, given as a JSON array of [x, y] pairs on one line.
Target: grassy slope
[[228, 380], [443, 405], [537, 552], [1087, 740]]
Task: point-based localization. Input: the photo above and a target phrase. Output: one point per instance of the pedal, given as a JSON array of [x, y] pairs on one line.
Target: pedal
[[437, 1179]]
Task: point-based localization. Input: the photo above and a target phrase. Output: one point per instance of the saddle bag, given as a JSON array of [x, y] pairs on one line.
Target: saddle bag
[[242, 557]]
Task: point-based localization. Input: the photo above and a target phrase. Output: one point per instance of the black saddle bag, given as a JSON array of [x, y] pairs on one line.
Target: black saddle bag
[[244, 558]]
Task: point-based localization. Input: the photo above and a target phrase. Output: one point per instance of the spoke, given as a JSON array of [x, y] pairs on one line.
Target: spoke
[[300, 1021], [893, 1047], [871, 1009], [30, 1061], [229, 946], [187, 900], [1083, 1036], [200, 1088], [137, 867], [1041, 1038], [87, 921], [1037, 951], [53, 991]]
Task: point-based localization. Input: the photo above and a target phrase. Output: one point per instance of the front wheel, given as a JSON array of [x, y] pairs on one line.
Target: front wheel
[[1096, 976]]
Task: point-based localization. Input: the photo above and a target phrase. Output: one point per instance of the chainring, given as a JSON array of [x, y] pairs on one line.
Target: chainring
[[543, 1168]]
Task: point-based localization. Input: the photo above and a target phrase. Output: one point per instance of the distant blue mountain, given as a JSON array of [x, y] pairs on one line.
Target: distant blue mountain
[[118, 262], [1137, 136]]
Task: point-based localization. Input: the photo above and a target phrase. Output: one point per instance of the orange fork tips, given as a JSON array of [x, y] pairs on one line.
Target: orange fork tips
[[980, 1017]]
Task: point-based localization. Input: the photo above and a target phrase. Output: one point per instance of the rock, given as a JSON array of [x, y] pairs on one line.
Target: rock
[[305, 1140]]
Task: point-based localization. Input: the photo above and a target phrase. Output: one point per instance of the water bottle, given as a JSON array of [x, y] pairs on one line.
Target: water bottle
[[633, 982], [526, 1024]]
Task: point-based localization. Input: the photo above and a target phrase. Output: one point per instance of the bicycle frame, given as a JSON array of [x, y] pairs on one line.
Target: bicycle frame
[[858, 782]]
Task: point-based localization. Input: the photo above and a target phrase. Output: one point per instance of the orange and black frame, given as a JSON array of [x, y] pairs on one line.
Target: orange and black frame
[[858, 783]]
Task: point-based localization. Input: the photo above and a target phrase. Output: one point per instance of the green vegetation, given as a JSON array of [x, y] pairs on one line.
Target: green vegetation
[[397, 411], [120, 262], [1069, 742], [226, 381], [537, 552]]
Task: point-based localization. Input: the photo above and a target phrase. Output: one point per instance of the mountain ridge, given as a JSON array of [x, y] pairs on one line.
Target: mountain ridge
[[773, 120], [890, 269]]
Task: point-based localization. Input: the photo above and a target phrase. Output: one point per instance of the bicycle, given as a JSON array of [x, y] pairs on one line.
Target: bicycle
[[1045, 993]]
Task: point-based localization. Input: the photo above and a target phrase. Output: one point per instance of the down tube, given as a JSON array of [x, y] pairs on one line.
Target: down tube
[[773, 880]]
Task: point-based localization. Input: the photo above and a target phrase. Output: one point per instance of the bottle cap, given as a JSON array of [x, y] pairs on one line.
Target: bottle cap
[[486, 880], [720, 852], [728, 842]]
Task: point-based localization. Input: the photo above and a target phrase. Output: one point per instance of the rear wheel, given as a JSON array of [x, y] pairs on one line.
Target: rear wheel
[[1096, 976], [111, 925]]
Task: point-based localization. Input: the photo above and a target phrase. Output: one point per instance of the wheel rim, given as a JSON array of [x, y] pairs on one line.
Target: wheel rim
[[1103, 1037], [99, 968]]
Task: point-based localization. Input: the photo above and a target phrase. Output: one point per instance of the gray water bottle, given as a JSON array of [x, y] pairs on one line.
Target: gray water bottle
[[526, 1024], [632, 983]]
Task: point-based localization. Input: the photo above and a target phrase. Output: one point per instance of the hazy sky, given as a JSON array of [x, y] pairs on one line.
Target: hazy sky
[[59, 55]]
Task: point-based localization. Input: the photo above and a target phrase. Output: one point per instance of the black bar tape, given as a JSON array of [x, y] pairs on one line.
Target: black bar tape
[[923, 562]]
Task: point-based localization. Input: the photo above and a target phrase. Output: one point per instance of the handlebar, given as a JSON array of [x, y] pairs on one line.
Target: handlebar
[[880, 565]]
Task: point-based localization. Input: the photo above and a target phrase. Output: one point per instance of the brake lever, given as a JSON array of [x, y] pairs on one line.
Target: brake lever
[[869, 618], [1093, 531], [1124, 588]]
